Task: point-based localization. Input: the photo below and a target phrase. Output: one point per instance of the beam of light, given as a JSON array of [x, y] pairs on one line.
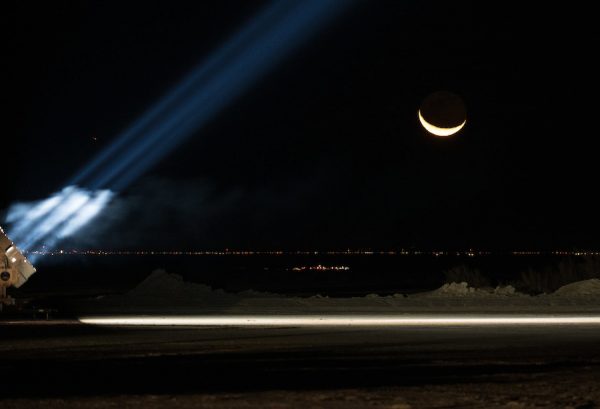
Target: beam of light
[[73, 200], [198, 76], [22, 216], [338, 320], [94, 205], [279, 31], [211, 87], [55, 218]]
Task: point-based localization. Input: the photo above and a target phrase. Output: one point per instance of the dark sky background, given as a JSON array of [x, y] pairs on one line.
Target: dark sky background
[[326, 152]]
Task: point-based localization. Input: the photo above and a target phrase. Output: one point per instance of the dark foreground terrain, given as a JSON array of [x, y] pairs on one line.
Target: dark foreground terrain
[[62, 364]]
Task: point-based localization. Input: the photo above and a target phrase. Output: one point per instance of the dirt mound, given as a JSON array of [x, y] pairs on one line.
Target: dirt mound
[[580, 288], [463, 290], [161, 284]]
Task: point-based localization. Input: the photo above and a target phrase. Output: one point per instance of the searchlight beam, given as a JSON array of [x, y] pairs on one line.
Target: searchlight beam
[[206, 92]]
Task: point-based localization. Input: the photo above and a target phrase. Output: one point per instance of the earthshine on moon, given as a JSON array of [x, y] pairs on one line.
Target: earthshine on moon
[[442, 114]]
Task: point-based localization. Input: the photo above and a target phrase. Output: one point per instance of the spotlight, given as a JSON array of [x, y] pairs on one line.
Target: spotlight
[[60, 216], [209, 89], [15, 269]]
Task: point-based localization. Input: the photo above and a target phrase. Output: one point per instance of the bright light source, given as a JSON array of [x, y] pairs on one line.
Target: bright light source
[[55, 218], [338, 320], [210, 88]]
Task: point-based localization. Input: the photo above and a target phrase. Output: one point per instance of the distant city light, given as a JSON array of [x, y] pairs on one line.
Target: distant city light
[[228, 252], [320, 267]]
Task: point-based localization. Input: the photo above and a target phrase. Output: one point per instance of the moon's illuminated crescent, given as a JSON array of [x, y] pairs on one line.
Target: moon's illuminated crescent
[[436, 130]]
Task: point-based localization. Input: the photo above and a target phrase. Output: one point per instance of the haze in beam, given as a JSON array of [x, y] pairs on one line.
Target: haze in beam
[[213, 85]]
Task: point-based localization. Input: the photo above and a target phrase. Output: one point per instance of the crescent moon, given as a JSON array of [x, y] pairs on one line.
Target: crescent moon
[[436, 130]]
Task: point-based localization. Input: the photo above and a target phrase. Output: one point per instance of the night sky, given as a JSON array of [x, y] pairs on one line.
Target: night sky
[[326, 152]]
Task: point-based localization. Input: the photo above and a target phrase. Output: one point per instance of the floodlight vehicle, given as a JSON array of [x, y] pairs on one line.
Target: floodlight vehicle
[[15, 269]]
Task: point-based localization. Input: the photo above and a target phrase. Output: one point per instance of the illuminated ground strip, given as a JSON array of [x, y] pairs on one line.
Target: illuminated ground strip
[[338, 320]]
